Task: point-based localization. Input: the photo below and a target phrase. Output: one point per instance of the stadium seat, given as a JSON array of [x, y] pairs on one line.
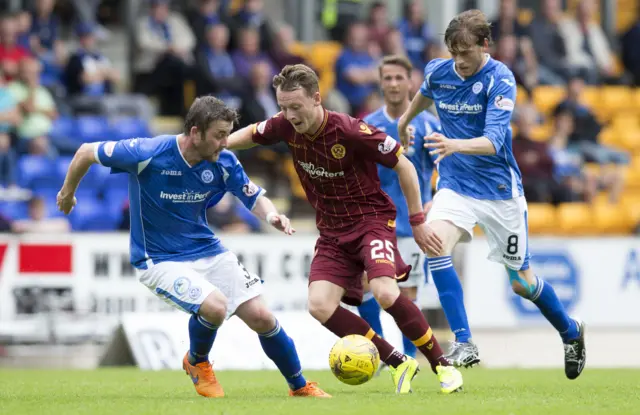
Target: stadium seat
[[323, 55], [575, 219], [37, 172], [615, 100], [629, 139], [609, 219], [630, 204], [522, 96], [63, 127], [590, 96], [92, 128], [14, 210], [91, 215], [547, 97], [542, 218], [541, 132], [122, 128], [631, 175], [625, 121]]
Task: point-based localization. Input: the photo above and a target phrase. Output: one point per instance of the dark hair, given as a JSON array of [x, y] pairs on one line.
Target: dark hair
[[470, 28], [298, 76], [399, 60], [205, 110]]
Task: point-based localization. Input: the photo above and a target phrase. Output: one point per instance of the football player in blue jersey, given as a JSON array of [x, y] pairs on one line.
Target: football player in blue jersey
[[395, 82], [173, 179], [480, 183]]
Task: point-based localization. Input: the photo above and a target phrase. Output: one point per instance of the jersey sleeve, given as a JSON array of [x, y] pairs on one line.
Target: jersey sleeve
[[269, 131], [425, 89], [124, 155], [375, 145], [238, 183], [500, 105]]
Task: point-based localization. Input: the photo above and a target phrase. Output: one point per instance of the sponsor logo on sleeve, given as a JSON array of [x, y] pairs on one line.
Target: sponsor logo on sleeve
[[504, 103], [250, 189], [387, 145], [108, 148], [260, 128], [364, 129]]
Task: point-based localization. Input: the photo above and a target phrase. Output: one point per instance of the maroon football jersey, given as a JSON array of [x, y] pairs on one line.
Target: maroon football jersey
[[337, 167]]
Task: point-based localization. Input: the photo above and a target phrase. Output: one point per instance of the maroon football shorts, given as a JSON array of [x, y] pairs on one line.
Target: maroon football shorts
[[342, 257]]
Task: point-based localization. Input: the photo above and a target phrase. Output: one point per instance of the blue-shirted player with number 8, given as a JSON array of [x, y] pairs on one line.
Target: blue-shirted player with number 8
[[172, 181], [480, 183]]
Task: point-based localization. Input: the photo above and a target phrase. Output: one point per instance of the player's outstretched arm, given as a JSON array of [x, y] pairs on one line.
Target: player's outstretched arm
[[242, 139], [418, 104], [266, 210], [82, 160], [425, 237]]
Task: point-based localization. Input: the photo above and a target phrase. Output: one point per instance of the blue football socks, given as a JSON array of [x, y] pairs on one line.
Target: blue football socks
[[201, 337], [279, 347], [451, 296]]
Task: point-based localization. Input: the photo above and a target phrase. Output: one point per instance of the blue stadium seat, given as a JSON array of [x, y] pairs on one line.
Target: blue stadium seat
[[90, 215], [37, 172], [63, 127], [122, 128], [92, 128], [14, 210]]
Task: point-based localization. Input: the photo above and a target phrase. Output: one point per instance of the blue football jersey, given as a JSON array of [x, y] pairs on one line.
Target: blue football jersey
[[424, 124], [168, 198], [478, 106]]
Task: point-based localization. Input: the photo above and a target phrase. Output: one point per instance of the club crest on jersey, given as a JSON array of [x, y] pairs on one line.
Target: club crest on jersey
[[108, 148], [504, 103], [338, 151], [365, 129], [195, 292], [387, 146], [477, 87], [250, 189], [207, 176], [181, 285]]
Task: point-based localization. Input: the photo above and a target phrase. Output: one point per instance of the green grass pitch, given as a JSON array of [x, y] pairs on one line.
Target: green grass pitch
[[497, 392]]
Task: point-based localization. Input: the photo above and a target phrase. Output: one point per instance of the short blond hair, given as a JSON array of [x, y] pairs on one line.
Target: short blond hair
[[298, 76]]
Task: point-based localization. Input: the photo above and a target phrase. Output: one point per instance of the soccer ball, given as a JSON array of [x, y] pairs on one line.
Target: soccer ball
[[354, 359]]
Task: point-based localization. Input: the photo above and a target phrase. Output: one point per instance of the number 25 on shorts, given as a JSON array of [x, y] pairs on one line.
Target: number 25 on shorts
[[382, 250]]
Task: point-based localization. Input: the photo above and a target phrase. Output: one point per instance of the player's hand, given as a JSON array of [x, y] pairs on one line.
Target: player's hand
[[427, 239], [283, 224], [441, 146], [65, 203]]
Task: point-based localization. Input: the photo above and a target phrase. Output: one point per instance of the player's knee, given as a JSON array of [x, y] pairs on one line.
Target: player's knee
[[320, 308], [214, 308], [385, 290], [261, 320], [521, 284]]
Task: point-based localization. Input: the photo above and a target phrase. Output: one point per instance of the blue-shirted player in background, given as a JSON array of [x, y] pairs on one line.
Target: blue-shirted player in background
[[480, 183], [172, 181], [395, 82]]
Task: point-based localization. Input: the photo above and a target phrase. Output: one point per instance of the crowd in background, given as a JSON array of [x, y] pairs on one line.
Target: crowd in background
[[52, 90]]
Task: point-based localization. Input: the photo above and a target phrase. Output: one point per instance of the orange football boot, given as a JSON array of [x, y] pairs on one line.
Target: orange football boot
[[203, 378], [310, 389]]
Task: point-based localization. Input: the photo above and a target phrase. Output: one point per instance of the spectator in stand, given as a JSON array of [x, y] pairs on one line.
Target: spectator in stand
[[524, 58], [252, 15], [378, 23], [506, 51], [536, 163], [35, 102], [249, 53], [631, 52], [89, 72], [281, 52], [261, 103], [549, 44], [394, 43], [217, 73], [208, 13], [371, 104], [356, 70], [10, 52], [164, 59], [418, 39], [584, 136], [7, 162], [39, 222], [587, 46], [10, 116], [23, 28], [45, 42]]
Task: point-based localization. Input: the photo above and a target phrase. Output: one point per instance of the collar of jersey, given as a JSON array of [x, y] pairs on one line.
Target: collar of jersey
[[324, 124]]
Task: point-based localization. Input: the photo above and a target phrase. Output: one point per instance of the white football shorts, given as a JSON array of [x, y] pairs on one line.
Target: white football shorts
[[185, 285], [504, 222], [412, 255]]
